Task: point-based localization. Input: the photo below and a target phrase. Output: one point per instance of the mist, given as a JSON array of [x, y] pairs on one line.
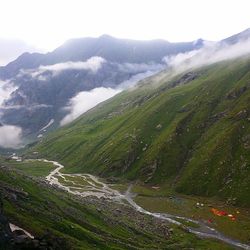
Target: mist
[[86, 100], [140, 67], [209, 54], [93, 64], [6, 88], [130, 83], [10, 136], [10, 49]]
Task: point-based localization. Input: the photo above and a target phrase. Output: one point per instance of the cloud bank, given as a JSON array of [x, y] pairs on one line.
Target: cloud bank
[[6, 88], [210, 53], [86, 100], [140, 67], [135, 79], [93, 64], [10, 136]]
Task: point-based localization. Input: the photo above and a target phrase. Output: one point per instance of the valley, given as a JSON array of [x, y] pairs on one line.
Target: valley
[[110, 143], [66, 221], [166, 206]]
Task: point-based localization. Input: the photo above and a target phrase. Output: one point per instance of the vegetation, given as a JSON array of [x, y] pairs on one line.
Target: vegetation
[[158, 200], [31, 168], [86, 223], [190, 132]]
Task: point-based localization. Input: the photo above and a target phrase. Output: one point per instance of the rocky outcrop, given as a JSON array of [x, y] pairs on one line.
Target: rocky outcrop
[[18, 239]]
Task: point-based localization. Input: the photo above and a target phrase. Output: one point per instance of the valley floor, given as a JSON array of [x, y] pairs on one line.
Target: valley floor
[[153, 210]]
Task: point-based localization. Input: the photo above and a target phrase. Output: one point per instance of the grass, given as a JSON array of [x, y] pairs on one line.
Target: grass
[[78, 222], [185, 205], [194, 136], [31, 168]]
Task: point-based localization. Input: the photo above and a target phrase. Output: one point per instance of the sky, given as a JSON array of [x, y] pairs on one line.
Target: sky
[[46, 24]]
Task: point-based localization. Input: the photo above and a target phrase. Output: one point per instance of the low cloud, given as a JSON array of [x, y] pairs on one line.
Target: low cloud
[[135, 79], [210, 53], [140, 67], [6, 88], [86, 100], [93, 64], [31, 107], [10, 136]]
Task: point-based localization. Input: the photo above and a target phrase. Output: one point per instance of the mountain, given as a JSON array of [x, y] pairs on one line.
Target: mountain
[[46, 83], [190, 131], [108, 47], [244, 35]]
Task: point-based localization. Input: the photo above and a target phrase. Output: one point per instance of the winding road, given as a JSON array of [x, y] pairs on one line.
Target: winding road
[[73, 183]]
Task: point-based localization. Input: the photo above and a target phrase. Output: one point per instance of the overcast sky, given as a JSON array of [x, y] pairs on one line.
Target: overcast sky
[[46, 24]]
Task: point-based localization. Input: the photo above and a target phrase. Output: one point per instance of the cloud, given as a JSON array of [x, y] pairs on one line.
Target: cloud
[[135, 79], [93, 64], [10, 136], [86, 100], [6, 88], [210, 53], [140, 67]]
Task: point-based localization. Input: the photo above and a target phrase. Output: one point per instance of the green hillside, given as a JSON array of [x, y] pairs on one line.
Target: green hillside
[[190, 131]]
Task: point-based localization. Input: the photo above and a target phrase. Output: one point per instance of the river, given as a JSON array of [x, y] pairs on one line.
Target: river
[[72, 183]]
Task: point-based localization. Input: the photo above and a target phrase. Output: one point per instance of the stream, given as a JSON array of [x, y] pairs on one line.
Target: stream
[[73, 183]]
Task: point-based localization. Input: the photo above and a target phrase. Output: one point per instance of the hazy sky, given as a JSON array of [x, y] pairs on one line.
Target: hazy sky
[[48, 23]]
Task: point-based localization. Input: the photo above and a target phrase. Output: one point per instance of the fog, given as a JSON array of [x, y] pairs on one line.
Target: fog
[[93, 64], [140, 67], [10, 136], [6, 88], [210, 53], [86, 100], [10, 49]]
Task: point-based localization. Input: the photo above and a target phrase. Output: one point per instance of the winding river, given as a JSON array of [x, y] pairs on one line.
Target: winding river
[[73, 183]]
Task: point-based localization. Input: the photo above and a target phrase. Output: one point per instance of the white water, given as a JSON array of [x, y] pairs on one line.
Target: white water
[[99, 189]]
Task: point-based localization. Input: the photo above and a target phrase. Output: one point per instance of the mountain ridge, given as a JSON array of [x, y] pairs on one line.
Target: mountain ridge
[[80, 65]]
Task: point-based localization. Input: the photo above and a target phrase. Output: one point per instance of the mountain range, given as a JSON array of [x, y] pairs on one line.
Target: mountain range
[[43, 84], [129, 145]]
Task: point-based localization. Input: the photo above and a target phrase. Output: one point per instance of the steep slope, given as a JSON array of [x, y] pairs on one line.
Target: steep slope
[[191, 131]]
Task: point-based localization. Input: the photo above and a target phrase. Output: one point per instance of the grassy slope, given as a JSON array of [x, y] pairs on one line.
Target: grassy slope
[[195, 136], [78, 223]]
